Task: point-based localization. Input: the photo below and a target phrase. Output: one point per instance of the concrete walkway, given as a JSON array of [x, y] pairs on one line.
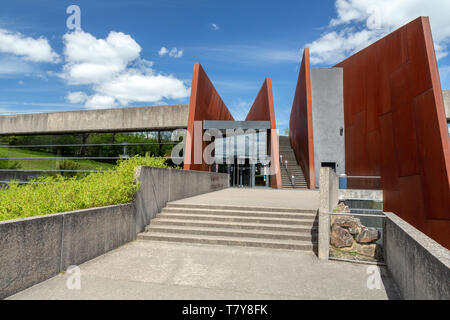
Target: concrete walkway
[[160, 270], [258, 197]]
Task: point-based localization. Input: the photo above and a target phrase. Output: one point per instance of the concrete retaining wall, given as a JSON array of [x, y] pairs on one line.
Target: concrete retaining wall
[[158, 186], [419, 265], [38, 248], [329, 184], [17, 175]]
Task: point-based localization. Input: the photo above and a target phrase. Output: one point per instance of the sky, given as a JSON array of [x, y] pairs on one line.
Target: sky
[[142, 52]]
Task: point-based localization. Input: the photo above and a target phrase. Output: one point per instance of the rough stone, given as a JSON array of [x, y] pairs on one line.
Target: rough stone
[[353, 225], [341, 207], [340, 237], [368, 250], [368, 235]]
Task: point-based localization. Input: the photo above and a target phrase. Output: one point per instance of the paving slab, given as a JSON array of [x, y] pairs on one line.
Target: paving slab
[[258, 197], [162, 270]]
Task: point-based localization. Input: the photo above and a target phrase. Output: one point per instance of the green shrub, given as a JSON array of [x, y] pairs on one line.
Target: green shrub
[[68, 165], [52, 194]]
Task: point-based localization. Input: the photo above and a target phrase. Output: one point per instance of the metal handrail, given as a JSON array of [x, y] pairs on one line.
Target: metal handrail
[[382, 215], [86, 145], [291, 177]]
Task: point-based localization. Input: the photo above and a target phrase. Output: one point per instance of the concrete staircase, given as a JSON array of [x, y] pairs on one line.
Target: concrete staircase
[[293, 168], [277, 228]]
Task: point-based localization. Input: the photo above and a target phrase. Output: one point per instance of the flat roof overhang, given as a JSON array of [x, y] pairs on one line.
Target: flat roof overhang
[[224, 125]]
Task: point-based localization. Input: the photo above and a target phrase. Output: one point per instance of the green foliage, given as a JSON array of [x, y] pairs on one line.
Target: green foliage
[[6, 164], [68, 165], [52, 194]]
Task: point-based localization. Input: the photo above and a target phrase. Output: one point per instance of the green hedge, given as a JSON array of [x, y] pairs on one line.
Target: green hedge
[[46, 195]]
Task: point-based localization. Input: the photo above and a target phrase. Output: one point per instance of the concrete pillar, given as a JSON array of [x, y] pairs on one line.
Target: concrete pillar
[[328, 182]]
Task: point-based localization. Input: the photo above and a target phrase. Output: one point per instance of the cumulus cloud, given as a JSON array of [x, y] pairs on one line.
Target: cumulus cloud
[[215, 27], [76, 97], [114, 71], [92, 60], [163, 51], [36, 50], [361, 22], [174, 52]]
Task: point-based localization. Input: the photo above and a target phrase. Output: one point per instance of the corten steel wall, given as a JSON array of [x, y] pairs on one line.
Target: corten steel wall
[[395, 126], [263, 110], [205, 104], [300, 124]]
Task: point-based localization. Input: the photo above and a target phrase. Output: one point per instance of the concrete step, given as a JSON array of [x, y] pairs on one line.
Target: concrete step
[[233, 225], [237, 208], [226, 232], [246, 220], [297, 187], [242, 213], [220, 240]]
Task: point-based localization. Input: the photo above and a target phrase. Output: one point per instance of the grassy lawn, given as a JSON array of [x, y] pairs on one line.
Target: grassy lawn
[[48, 164]]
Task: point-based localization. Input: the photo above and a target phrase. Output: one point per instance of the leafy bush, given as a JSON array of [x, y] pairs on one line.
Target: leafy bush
[[68, 165], [46, 195]]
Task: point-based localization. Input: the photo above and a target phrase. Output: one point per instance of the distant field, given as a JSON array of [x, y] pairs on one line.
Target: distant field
[[48, 164]]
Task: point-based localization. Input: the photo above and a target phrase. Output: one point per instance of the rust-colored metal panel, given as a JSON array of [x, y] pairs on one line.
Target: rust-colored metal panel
[[389, 163], [399, 80], [431, 157], [205, 104], [420, 67], [263, 110], [300, 123], [397, 48]]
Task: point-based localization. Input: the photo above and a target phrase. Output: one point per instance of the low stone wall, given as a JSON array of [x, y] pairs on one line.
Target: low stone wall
[[419, 265], [159, 186], [38, 248], [35, 249]]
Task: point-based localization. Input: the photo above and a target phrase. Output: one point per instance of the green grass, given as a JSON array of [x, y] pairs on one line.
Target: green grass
[[48, 164], [55, 194]]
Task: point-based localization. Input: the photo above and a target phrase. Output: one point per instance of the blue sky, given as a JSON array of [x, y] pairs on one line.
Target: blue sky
[[46, 67]]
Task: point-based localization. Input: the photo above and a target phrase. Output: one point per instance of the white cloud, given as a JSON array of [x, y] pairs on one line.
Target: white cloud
[[174, 52], [98, 101], [215, 26], [163, 51], [135, 85], [76, 97], [361, 22], [12, 66], [91, 60], [115, 72], [36, 50]]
